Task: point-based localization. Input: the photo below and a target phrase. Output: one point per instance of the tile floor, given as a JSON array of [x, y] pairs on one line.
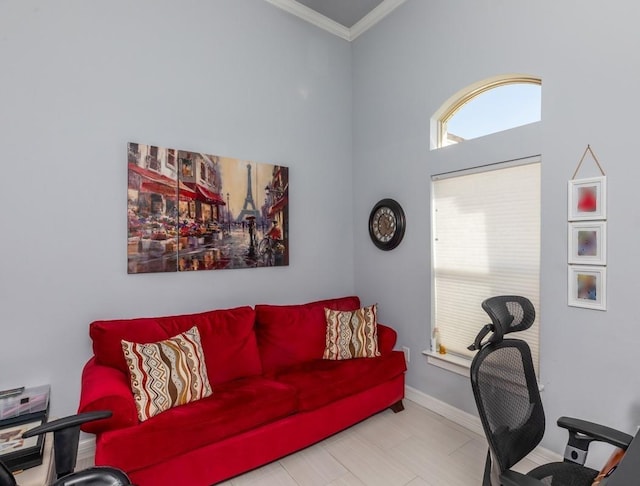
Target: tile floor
[[415, 447]]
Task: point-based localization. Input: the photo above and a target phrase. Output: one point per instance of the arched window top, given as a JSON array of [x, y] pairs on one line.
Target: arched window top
[[487, 107]]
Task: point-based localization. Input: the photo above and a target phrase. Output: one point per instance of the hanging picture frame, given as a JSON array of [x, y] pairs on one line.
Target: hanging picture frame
[[588, 287], [587, 199], [588, 243], [189, 211]]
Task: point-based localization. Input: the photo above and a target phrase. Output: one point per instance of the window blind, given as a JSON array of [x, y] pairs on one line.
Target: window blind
[[486, 228]]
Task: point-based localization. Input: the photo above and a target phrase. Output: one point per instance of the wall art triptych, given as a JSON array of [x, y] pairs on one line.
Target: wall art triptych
[[587, 241], [191, 211]]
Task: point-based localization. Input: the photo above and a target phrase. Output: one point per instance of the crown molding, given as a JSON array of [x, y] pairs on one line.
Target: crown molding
[[333, 27], [313, 17], [373, 17]]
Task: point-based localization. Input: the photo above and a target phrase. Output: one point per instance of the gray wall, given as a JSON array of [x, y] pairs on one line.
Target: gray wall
[[243, 79], [586, 54], [78, 81]]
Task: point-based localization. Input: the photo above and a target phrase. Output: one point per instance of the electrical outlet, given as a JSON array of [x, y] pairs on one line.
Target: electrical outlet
[[407, 353]]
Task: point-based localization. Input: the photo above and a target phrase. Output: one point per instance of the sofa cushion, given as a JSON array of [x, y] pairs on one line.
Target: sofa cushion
[[292, 334], [167, 373], [351, 334], [322, 381], [227, 336], [235, 407]]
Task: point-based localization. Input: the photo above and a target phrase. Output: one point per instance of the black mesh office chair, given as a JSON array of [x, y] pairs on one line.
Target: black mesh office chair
[[66, 432], [508, 400]]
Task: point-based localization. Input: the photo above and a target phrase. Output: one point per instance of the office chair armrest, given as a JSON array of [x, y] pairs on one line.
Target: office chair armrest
[[597, 432], [67, 422], [513, 478], [66, 432], [582, 433]]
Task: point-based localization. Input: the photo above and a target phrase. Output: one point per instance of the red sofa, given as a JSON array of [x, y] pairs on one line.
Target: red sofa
[[272, 392]]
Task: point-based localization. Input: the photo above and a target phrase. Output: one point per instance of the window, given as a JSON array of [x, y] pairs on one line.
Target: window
[[488, 107], [171, 158], [152, 159], [486, 231]]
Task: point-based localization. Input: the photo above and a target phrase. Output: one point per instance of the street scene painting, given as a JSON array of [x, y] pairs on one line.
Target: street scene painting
[[189, 211]]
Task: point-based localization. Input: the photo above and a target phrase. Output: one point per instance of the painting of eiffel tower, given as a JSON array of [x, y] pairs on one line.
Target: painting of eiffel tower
[[189, 211], [249, 207]]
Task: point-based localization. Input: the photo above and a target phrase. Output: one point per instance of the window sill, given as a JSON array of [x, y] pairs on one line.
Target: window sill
[[455, 364], [449, 362]]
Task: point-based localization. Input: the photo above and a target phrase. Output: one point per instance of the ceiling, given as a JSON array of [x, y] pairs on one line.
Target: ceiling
[[344, 18], [345, 12]]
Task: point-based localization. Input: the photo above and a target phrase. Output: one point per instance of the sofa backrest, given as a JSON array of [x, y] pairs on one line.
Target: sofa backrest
[[228, 340], [291, 334]]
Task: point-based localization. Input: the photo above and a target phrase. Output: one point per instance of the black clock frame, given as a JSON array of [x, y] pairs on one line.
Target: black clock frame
[[398, 212]]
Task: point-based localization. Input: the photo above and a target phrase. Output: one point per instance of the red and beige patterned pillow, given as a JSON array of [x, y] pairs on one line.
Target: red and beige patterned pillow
[[167, 373], [351, 334]]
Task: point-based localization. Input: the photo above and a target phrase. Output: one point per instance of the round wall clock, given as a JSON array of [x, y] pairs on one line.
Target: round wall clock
[[386, 224]]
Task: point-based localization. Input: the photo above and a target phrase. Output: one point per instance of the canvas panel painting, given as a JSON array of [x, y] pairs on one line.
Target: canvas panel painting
[[190, 211]]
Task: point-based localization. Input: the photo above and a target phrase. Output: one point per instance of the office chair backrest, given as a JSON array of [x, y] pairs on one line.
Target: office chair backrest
[[504, 384]]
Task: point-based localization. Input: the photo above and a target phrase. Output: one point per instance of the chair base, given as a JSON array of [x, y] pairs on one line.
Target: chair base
[[95, 476]]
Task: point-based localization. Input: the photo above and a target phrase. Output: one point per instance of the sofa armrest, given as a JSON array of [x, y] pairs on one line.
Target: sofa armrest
[[386, 339], [106, 388]]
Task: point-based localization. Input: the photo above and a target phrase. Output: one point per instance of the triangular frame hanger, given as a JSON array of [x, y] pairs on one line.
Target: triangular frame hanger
[[593, 156]]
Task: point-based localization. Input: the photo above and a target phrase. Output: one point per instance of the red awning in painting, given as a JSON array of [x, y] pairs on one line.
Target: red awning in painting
[[184, 194], [209, 196], [278, 205], [149, 174], [161, 184], [159, 188], [205, 195]]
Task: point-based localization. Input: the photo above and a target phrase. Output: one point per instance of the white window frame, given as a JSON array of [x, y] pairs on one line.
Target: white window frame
[[453, 362], [450, 107]]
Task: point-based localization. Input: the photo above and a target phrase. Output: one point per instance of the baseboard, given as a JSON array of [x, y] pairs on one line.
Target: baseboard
[[539, 455], [456, 415]]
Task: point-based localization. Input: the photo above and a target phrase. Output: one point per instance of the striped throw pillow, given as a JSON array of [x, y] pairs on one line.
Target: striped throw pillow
[[351, 334], [167, 373]]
